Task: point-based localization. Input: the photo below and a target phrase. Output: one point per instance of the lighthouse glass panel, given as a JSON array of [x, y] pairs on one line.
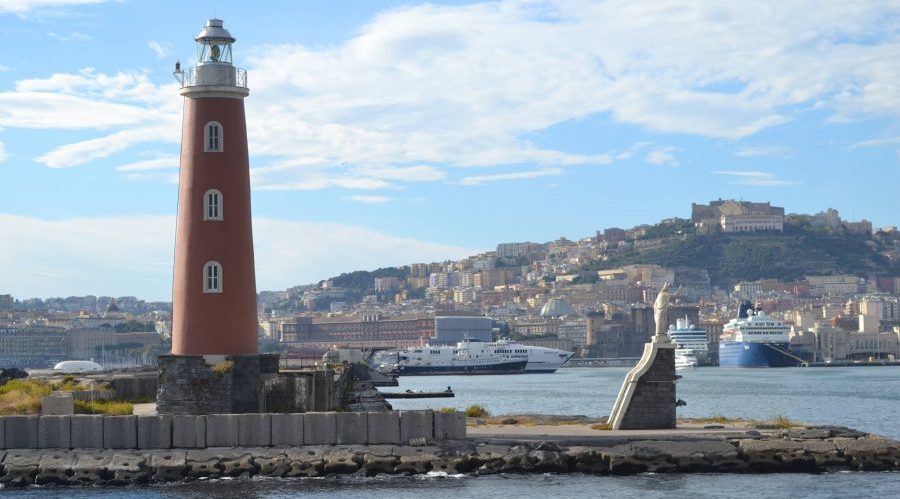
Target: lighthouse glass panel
[[212, 205], [212, 277], [214, 51], [212, 137]]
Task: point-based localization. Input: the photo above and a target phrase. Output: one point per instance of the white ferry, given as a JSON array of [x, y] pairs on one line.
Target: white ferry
[[475, 357], [691, 343]]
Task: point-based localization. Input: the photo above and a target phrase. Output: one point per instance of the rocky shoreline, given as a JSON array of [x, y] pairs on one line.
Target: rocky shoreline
[[799, 450]]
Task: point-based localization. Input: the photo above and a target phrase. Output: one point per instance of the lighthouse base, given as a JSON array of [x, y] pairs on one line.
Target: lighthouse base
[[237, 384]]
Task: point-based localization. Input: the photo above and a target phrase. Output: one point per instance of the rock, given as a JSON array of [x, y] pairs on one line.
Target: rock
[[869, 453], [202, 464], [809, 433], [241, 465], [306, 461], [373, 464], [55, 468], [342, 461], [517, 460], [91, 468], [168, 466], [549, 461], [589, 460], [20, 468], [128, 469], [274, 464]]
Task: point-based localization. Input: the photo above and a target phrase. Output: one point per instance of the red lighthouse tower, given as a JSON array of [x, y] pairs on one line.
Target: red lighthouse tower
[[214, 291]]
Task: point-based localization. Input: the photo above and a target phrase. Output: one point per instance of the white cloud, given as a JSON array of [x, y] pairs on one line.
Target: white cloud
[[23, 6], [70, 37], [368, 199], [662, 157], [3, 154], [161, 163], [470, 85], [761, 150], [483, 179], [887, 141], [756, 178], [158, 50], [133, 255]]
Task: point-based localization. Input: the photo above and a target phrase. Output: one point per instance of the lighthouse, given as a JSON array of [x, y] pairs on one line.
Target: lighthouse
[[214, 286]]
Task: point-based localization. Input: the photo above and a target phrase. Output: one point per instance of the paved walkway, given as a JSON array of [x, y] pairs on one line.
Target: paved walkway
[[584, 431]]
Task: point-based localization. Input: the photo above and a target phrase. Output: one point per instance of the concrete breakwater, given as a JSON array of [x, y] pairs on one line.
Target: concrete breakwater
[[806, 450]]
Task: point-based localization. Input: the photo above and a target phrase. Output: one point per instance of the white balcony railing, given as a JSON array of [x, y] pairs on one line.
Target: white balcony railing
[[215, 75]]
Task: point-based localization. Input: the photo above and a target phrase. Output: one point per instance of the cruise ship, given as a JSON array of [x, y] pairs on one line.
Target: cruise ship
[[754, 339], [474, 357], [691, 348]]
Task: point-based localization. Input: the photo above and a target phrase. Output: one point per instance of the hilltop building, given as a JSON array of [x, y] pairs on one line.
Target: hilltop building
[[738, 216]]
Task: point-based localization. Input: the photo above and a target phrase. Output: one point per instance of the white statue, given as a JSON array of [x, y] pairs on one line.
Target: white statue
[[661, 307]]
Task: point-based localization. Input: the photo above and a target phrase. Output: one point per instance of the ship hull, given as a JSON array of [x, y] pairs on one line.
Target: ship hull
[[433, 370], [739, 354]]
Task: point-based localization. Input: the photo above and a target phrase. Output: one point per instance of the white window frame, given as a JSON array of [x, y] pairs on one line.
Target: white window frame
[[218, 213], [212, 277], [213, 137]]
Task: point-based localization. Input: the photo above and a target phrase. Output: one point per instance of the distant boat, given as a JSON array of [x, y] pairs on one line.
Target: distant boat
[[684, 360], [756, 340], [466, 357], [690, 342], [78, 366]]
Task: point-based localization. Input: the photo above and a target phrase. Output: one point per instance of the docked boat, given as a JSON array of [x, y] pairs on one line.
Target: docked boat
[[691, 343], [466, 357], [684, 360], [474, 357], [754, 339], [540, 359]]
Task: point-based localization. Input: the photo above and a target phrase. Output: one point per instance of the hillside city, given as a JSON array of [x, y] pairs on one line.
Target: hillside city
[[835, 282]]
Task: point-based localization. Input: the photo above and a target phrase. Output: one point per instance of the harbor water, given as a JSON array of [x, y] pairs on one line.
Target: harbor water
[[865, 398]]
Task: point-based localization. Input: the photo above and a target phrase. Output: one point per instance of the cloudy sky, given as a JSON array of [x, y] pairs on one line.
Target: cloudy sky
[[383, 133]]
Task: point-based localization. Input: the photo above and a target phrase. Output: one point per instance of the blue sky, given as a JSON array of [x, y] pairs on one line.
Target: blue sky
[[384, 133]]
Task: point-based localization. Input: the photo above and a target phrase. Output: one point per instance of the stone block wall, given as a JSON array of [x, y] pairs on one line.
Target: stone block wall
[[227, 430]]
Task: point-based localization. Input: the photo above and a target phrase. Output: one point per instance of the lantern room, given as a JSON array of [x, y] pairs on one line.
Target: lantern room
[[214, 43]]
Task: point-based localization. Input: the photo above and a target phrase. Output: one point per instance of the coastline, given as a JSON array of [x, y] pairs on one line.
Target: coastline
[[489, 449]]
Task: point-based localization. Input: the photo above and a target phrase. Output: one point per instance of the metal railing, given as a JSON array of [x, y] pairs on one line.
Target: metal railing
[[190, 78]]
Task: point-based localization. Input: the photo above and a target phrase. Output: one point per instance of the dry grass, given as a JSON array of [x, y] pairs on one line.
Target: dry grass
[[601, 426], [476, 411], [106, 407], [21, 396], [223, 368], [446, 410], [783, 423]]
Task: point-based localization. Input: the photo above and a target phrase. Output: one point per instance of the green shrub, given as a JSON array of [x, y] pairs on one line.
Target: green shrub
[[106, 407], [476, 411]]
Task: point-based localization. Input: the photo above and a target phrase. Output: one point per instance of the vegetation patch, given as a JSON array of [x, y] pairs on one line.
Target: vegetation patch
[[476, 411], [223, 368], [105, 407], [23, 396]]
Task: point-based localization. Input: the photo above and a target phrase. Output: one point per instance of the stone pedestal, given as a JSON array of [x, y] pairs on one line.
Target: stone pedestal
[[647, 398], [189, 385]]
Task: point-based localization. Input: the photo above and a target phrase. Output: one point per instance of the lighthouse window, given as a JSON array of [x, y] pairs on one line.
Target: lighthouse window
[[212, 205], [212, 137], [212, 277]]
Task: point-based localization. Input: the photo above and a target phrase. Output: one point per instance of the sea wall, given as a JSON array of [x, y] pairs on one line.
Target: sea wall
[[806, 451], [227, 430]]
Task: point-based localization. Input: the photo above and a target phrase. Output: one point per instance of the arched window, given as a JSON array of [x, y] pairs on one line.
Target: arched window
[[212, 277], [212, 205], [213, 137]]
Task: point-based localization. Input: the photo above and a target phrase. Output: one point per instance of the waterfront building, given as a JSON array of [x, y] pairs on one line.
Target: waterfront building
[[32, 347], [367, 331], [214, 292], [449, 330]]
